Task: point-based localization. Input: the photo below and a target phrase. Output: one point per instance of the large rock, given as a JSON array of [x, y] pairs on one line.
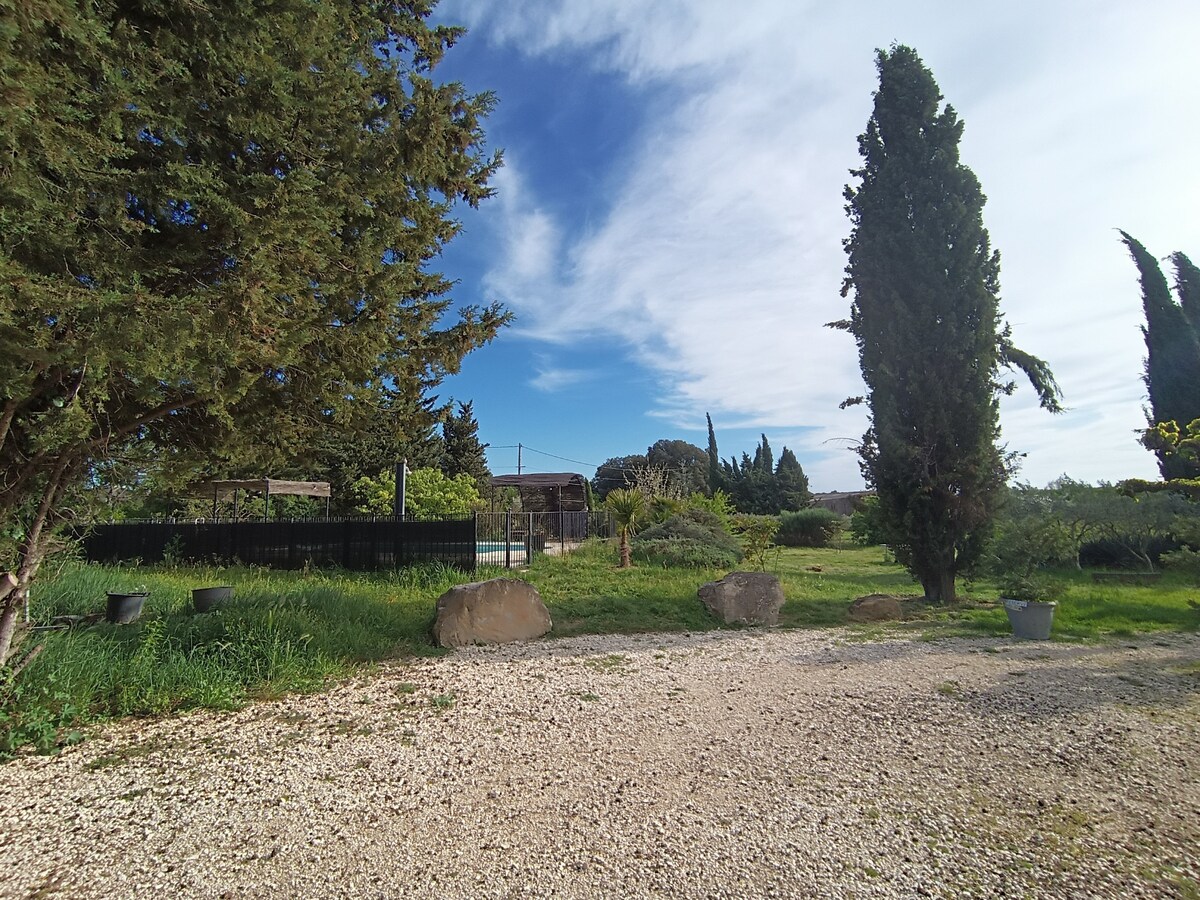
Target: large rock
[[876, 608], [490, 612], [744, 598]]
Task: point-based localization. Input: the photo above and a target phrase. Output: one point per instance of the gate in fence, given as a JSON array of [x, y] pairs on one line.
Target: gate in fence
[[511, 539]]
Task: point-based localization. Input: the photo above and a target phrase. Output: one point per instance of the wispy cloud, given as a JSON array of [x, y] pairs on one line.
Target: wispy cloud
[[719, 259], [551, 379]]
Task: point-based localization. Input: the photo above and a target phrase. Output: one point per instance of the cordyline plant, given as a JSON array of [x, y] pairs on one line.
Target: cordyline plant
[[215, 225], [628, 506]]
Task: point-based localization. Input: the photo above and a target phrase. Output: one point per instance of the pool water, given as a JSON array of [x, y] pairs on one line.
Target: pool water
[[497, 547]]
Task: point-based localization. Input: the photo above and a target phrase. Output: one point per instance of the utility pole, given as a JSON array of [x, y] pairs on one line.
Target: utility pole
[[518, 459]]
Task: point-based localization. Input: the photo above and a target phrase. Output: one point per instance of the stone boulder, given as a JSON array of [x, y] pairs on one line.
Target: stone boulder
[[876, 608], [744, 598], [490, 612]]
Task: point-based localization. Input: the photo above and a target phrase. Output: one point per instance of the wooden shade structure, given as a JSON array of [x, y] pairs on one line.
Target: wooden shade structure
[[547, 491], [222, 490]]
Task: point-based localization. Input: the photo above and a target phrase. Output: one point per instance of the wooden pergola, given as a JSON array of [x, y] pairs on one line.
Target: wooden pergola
[[223, 490]]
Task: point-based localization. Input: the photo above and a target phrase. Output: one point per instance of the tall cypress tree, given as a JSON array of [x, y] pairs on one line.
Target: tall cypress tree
[[714, 459], [1172, 347], [925, 317]]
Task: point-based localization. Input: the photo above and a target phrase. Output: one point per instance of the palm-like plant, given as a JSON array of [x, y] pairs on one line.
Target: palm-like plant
[[627, 506]]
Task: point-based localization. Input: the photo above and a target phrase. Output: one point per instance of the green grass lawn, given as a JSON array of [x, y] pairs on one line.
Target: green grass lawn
[[294, 631]]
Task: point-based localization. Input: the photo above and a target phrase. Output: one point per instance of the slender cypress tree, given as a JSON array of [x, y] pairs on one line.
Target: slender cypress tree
[[926, 320], [1172, 348], [714, 459]]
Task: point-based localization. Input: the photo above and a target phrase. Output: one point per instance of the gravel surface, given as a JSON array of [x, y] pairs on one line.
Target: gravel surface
[[730, 764]]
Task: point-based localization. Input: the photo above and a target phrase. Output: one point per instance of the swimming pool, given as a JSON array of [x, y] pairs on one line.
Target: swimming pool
[[497, 547]]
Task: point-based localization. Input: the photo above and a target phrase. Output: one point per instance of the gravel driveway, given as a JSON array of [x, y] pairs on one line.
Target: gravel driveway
[[729, 764]]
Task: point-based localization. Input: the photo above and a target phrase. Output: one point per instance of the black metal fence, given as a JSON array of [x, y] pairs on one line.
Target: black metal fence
[[512, 539], [358, 544]]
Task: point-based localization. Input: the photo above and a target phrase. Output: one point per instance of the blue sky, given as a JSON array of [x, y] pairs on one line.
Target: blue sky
[[668, 224]]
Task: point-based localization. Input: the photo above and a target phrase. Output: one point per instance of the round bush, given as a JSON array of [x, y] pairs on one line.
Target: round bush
[[683, 553], [692, 539], [814, 527]]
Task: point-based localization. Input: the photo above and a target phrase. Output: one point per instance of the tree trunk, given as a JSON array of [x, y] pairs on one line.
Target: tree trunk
[[10, 605], [35, 546], [939, 587], [626, 561]]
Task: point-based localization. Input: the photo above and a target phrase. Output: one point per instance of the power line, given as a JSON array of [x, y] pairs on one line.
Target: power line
[[563, 458]]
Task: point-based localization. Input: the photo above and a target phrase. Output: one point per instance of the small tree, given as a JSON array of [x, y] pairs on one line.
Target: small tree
[[428, 494], [628, 506], [462, 452]]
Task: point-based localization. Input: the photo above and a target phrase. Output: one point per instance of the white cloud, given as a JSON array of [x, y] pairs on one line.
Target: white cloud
[[552, 379], [720, 259]]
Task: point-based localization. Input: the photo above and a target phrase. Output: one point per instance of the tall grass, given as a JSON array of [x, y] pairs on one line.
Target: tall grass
[[293, 631], [283, 631]]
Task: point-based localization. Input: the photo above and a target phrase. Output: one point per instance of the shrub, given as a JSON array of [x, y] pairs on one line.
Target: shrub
[[694, 538], [685, 553], [866, 523], [662, 508], [756, 533], [718, 504], [813, 527], [1183, 560]]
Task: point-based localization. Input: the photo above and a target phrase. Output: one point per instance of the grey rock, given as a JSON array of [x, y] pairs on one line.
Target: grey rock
[[744, 598], [490, 612], [876, 608]]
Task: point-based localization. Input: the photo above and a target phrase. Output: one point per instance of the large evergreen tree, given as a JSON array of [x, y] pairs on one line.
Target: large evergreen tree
[[617, 472], [1172, 333], [926, 320], [792, 482], [685, 465], [216, 221], [462, 453], [755, 487]]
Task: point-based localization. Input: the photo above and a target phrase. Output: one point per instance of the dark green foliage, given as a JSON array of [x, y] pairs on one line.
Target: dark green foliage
[[694, 538], [792, 483], [1172, 336], [714, 458], [866, 523], [618, 472], [462, 453], [814, 527], [685, 465], [1187, 286], [216, 222], [758, 487], [925, 316]]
